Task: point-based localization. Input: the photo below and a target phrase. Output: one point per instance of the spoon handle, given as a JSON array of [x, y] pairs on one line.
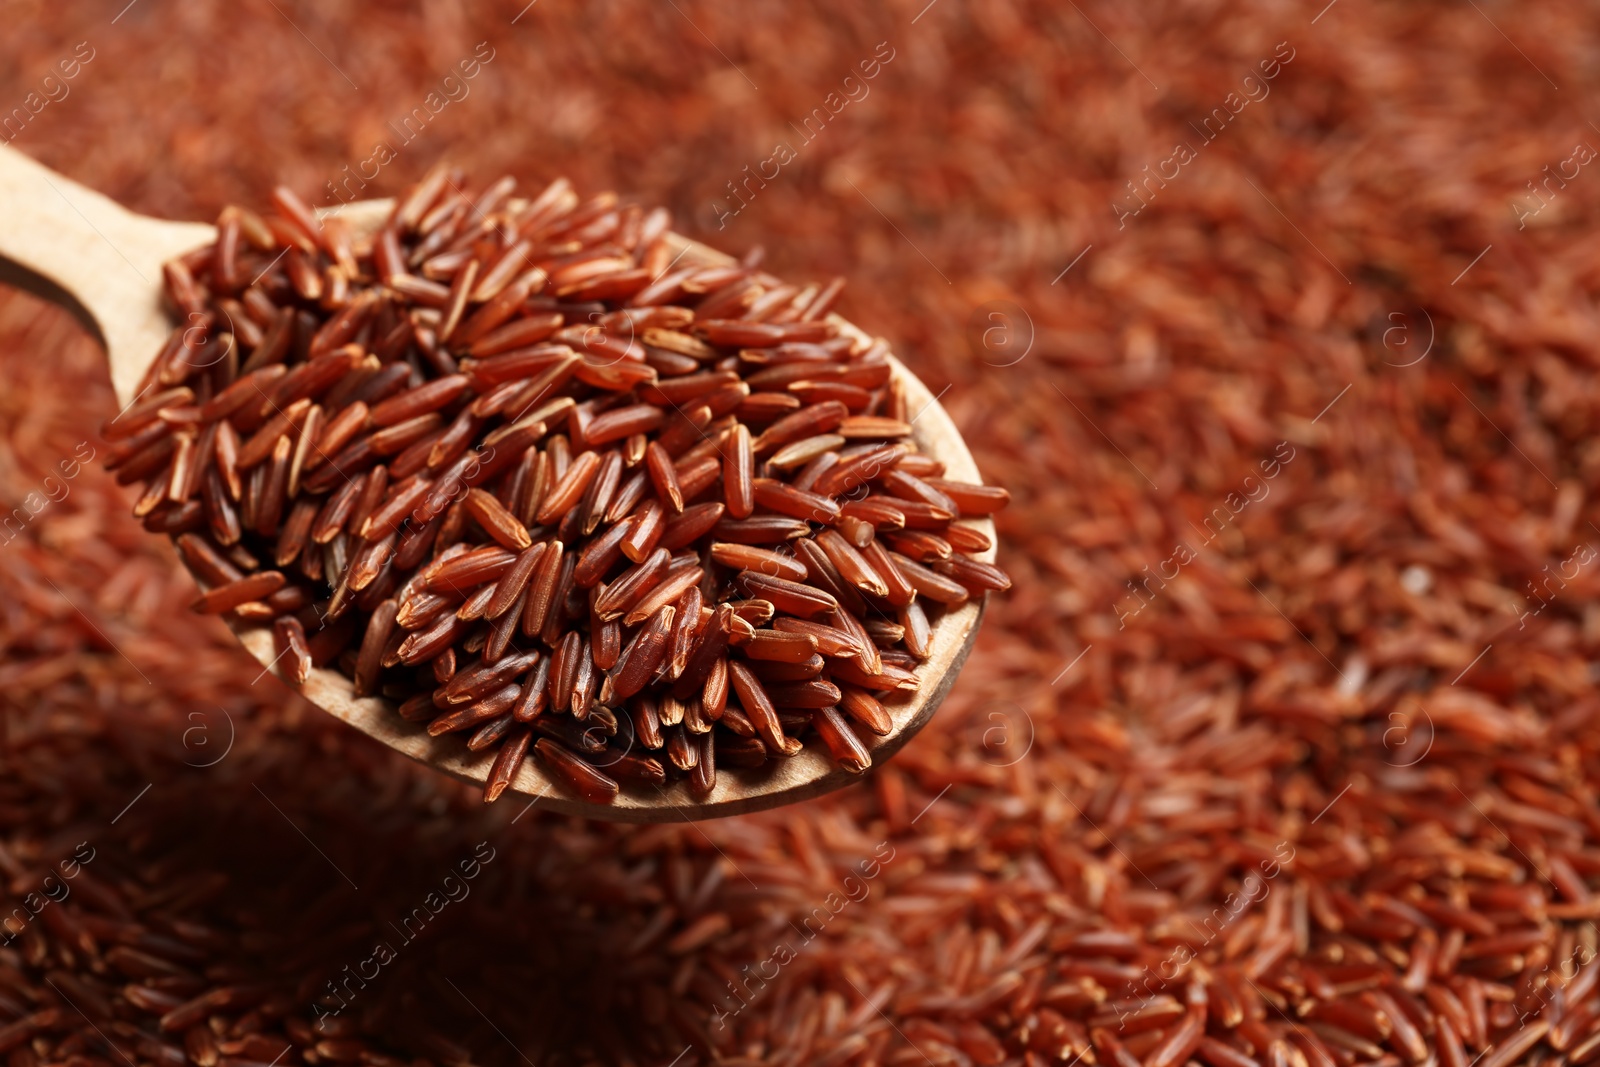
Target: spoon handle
[[84, 251]]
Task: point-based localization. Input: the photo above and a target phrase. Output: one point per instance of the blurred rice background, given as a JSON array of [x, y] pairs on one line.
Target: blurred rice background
[[1370, 662]]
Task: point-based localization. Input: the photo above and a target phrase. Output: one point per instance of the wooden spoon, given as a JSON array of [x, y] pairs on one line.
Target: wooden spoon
[[81, 250]]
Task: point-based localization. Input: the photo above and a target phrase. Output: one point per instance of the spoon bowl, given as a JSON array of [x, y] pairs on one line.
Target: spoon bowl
[[83, 251]]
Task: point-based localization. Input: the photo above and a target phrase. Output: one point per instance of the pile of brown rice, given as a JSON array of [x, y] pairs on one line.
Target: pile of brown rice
[[1283, 743]]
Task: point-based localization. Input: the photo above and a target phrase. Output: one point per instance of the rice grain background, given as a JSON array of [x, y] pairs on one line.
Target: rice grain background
[[1297, 425]]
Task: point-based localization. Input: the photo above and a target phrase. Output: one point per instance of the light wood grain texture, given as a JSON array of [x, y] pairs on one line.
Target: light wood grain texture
[[90, 254]]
